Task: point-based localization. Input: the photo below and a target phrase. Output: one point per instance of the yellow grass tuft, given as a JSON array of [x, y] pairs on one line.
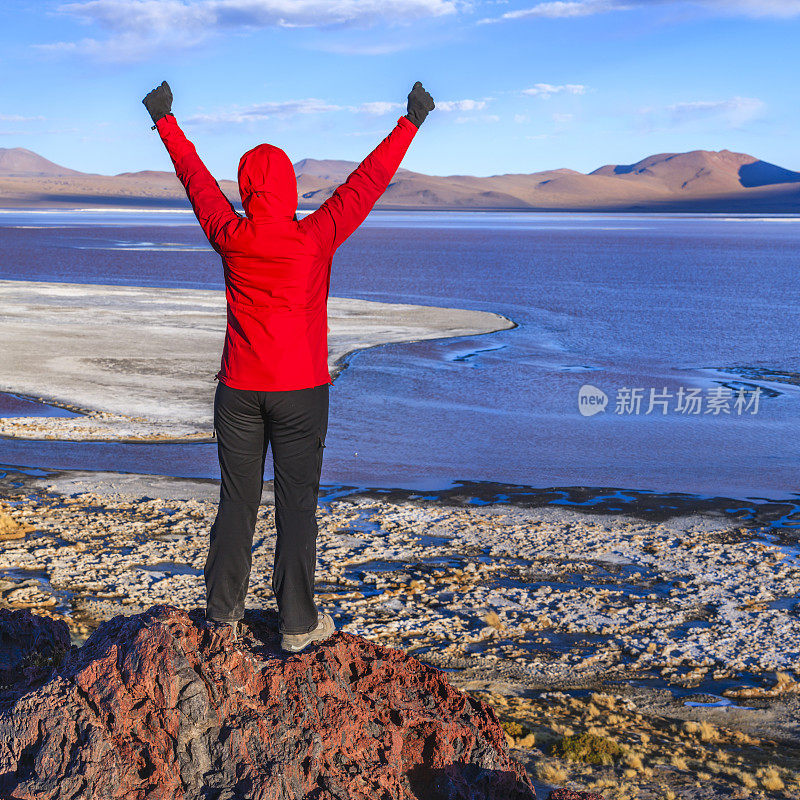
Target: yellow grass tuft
[[634, 761], [551, 773], [563, 730], [771, 780], [690, 726], [592, 710], [11, 529], [746, 779], [786, 683], [603, 782], [518, 735], [722, 755], [679, 762], [703, 730], [708, 732], [603, 700]]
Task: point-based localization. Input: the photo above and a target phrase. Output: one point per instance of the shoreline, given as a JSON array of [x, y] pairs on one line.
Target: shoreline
[[117, 354], [667, 208], [779, 515], [545, 612]]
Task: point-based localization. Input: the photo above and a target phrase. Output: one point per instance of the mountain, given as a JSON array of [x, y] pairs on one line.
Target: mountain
[[331, 170], [700, 180], [21, 162], [701, 172]]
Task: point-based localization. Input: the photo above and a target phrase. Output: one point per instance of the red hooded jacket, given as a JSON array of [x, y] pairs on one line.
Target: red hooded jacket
[[277, 269]]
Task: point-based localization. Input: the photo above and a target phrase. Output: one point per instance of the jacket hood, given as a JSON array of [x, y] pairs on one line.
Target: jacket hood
[[267, 183]]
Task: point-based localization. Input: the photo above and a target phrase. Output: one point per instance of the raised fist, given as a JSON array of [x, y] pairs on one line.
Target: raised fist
[[419, 104], [159, 101]]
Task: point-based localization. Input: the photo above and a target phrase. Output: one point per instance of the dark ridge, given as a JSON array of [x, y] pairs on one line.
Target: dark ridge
[[762, 173]]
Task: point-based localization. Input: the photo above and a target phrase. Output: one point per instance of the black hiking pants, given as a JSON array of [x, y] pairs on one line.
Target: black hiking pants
[[295, 423]]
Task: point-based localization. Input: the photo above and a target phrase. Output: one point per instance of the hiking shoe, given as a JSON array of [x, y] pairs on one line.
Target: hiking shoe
[[295, 642], [220, 627]]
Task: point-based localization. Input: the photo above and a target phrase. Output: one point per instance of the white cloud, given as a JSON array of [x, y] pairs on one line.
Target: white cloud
[[381, 107], [756, 8], [376, 132], [555, 9], [164, 16], [312, 105], [362, 49], [261, 111], [563, 118], [137, 27], [18, 118], [460, 105], [560, 9], [737, 110], [479, 118], [520, 118], [734, 112], [547, 90]]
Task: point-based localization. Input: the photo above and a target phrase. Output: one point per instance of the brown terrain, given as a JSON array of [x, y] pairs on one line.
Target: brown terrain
[[700, 180]]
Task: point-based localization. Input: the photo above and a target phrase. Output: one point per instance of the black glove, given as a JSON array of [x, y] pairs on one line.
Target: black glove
[[419, 104], [159, 101]]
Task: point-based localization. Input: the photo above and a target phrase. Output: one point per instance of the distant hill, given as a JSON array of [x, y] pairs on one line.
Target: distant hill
[[700, 180], [330, 169], [701, 172], [21, 162]]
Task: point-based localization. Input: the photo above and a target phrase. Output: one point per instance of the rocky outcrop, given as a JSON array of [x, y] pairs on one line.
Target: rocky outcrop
[[156, 706], [30, 648], [571, 794]]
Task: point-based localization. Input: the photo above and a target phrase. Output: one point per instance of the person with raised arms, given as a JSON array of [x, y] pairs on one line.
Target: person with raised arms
[[274, 378]]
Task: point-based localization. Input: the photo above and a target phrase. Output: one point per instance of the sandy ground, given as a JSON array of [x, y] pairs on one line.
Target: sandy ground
[[673, 647], [142, 361]]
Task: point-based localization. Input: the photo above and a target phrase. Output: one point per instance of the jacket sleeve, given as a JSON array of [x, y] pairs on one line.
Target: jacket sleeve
[[212, 208], [349, 205]]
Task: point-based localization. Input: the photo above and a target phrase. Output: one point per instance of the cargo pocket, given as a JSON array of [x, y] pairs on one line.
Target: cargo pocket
[[320, 451], [320, 448]]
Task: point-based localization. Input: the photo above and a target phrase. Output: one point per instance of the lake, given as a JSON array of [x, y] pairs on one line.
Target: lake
[[687, 324]]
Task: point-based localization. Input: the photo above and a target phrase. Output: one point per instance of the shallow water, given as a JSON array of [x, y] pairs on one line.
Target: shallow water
[[616, 301], [14, 405]]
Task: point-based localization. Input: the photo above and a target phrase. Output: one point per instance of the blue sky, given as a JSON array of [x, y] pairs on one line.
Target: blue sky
[[519, 86]]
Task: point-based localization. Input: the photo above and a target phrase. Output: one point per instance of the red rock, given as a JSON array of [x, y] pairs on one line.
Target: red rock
[[30, 648], [157, 707], [570, 794]]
